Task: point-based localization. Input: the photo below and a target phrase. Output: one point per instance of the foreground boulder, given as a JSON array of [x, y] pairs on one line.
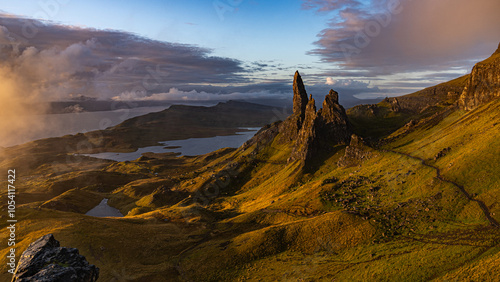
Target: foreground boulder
[[45, 261]]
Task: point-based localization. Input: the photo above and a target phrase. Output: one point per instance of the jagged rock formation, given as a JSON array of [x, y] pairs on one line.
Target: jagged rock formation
[[307, 130], [355, 152], [333, 122], [45, 261], [395, 107], [483, 84], [312, 130]]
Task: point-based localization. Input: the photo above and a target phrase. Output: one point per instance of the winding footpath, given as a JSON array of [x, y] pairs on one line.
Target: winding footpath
[[481, 204]]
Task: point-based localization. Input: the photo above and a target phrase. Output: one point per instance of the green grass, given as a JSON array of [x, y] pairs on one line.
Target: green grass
[[473, 160]]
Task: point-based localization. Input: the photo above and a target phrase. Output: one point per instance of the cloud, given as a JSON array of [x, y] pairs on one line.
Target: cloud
[[392, 36], [62, 60], [347, 88], [51, 73], [175, 94], [329, 5], [329, 81], [346, 83]]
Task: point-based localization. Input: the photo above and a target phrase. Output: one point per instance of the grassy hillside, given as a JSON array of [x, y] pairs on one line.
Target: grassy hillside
[[248, 213]]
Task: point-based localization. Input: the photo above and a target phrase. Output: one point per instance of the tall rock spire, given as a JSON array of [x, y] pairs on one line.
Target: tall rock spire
[[299, 96], [293, 123]]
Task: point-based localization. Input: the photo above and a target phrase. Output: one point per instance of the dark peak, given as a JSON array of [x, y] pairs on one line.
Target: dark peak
[[332, 97], [498, 49], [331, 103], [299, 95]]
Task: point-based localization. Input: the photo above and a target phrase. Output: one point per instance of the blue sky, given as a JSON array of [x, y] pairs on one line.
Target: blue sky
[[261, 43], [243, 29]]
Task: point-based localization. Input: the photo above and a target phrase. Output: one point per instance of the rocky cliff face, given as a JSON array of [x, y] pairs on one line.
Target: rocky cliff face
[[484, 83], [45, 261], [310, 130]]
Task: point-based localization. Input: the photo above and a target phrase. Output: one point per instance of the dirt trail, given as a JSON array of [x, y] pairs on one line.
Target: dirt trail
[[481, 204]]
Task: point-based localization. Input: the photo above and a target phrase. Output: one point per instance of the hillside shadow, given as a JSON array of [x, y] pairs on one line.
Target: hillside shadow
[[320, 158]]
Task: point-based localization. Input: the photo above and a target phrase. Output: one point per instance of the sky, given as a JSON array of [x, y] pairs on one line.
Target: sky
[[238, 49]]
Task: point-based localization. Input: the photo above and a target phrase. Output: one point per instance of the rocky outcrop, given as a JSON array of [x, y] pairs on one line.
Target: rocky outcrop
[[484, 83], [355, 152], [311, 131], [395, 106], [333, 122], [307, 130], [45, 261]]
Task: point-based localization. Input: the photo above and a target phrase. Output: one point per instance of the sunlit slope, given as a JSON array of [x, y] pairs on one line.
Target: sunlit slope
[[465, 146]]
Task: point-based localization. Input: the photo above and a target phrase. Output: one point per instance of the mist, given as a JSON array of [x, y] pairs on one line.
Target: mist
[[18, 109]]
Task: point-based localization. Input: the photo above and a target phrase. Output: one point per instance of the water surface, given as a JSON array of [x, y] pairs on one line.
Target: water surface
[[104, 210], [186, 147]]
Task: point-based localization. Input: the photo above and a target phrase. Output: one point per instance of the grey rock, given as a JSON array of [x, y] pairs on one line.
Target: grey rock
[[354, 153], [45, 261]]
